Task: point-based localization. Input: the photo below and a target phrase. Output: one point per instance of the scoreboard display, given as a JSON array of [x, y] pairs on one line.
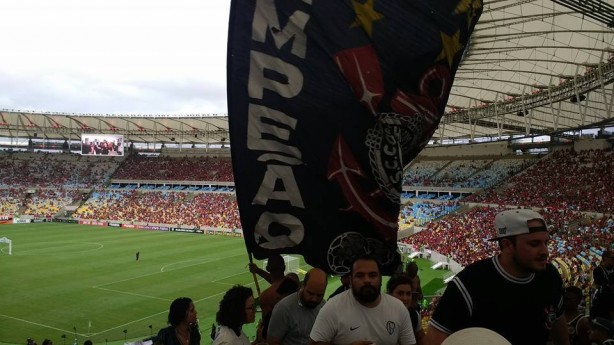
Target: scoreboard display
[[102, 144]]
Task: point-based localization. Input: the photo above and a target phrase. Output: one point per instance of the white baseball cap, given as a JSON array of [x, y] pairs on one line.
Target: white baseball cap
[[515, 222], [475, 336]]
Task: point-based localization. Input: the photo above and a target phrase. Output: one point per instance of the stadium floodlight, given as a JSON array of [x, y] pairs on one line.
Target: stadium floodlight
[[598, 10]]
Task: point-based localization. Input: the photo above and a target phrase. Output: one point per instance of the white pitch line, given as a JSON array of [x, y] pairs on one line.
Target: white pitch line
[[230, 276], [133, 294], [162, 312], [123, 325], [134, 321], [129, 323], [228, 284], [125, 280], [162, 270], [26, 252], [41, 325], [198, 263]]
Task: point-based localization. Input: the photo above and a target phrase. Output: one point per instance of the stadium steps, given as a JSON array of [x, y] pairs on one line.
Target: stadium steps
[[62, 213], [23, 208], [462, 209], [485, 167], [575, 224], [443, 168]]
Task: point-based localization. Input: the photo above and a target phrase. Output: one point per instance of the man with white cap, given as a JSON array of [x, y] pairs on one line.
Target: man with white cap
[[517, 293]]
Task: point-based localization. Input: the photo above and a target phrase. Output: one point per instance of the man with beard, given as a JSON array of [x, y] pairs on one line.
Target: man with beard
[[518, 293], [293, 316], [362, 315]]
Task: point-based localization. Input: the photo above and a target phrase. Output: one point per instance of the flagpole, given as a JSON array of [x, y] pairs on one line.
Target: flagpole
[[251, 261]]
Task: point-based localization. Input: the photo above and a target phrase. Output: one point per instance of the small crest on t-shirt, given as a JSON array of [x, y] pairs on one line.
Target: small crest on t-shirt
[[390, 327], [550, 317]]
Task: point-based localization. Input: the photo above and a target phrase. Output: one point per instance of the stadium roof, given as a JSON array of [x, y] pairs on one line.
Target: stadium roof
[[532, 67], [528, 64]]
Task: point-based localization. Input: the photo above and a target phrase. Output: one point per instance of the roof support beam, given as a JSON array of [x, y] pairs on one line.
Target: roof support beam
[[584, 84], [595, 9]]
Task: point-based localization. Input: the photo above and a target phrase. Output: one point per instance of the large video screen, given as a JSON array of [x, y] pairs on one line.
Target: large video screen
[[102, 144]]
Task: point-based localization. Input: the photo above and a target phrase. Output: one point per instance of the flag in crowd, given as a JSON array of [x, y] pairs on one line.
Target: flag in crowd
[[328, 102]]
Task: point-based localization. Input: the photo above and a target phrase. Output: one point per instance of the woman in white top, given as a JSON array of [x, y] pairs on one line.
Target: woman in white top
[[237, 308]]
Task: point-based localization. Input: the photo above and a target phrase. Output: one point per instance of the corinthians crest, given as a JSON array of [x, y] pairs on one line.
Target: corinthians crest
[[391, 135]]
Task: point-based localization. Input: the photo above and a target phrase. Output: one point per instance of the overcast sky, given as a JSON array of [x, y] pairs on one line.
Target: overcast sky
[[114, 56]]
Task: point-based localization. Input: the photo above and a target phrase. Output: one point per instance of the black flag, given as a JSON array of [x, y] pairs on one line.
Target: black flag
[[328, 101]]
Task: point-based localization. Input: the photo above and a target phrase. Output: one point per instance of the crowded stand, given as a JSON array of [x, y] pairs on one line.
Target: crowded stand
[[11, 200], [46, 170], [457, 171], [576, 241], [420, 213], [138, 167], [577, 180], [419, 172], [45, 203], [495, 172], [464, 173], [216, 210], [471, 227]]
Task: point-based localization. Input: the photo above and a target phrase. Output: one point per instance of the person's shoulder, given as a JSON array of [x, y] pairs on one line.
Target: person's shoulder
[[195, 332], [272, 289], [341, 299], [222, 335], [165, 330], [478, 268], [341, 296], [165, 333], [288, 301], [392, 302], [488, 262], [552, 271], [389, 298]]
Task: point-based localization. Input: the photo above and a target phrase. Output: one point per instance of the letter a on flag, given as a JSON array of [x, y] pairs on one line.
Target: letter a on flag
[[328, 101]]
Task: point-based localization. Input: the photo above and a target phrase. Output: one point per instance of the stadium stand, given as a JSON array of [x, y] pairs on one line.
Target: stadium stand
[[576, 180], [165, 190], [139, 167]]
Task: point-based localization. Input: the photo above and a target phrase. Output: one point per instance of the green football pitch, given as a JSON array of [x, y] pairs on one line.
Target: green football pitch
[[67, 281]]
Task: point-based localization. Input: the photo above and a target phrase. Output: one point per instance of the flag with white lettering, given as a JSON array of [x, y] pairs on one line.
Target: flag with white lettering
[[328, 101]]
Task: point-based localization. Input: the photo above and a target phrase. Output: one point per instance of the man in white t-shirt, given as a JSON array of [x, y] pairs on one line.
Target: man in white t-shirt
[[362, 315]]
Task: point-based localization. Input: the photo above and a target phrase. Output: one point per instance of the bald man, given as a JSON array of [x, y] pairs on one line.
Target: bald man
[[294, 315]]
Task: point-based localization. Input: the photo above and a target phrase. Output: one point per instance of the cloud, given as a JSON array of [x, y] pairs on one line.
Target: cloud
[[114, 56]]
